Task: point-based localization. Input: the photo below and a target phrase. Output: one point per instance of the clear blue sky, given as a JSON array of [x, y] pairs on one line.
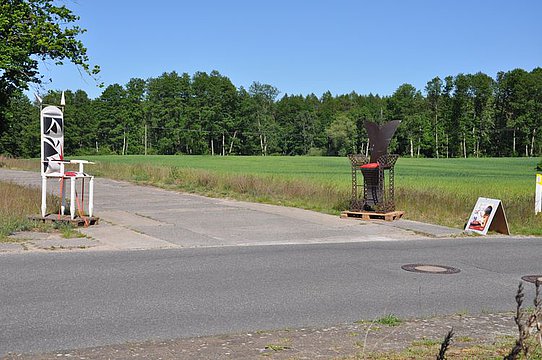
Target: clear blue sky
[[304, 47]]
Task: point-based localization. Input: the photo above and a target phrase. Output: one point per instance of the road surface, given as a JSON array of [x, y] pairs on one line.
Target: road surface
[[179, 265], [54, 301]]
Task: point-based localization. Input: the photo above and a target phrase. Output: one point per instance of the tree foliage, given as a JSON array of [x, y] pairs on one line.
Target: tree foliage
[[33, 31], [467, 115]]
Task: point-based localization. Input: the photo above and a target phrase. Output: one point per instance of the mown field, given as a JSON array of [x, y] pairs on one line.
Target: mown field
[[441, 191]]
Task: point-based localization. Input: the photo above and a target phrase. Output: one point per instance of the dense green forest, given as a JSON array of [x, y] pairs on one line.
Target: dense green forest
[[467, 115]]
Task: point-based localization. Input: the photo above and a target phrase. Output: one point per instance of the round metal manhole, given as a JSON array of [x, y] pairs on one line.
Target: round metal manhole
[[430, 269], [532, 278]]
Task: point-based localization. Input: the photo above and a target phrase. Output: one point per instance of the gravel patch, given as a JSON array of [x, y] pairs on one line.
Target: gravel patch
[[335, 342]]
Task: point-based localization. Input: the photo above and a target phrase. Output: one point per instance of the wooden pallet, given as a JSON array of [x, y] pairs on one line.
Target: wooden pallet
[[65, 219], [367, 215]]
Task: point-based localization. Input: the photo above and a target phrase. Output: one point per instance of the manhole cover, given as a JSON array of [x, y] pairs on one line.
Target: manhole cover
[[532, 278], [430, 269]]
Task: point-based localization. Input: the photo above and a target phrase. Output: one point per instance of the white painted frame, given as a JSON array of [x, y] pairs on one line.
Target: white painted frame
[[53, 166]]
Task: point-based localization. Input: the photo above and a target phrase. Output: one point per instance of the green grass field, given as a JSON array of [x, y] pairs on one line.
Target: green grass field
[[441, 191]]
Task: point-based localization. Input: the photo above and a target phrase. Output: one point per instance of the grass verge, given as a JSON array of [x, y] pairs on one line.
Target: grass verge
[[16, 203]]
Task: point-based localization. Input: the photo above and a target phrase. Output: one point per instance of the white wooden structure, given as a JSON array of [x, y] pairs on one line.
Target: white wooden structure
[[538, 194], [53, 163]]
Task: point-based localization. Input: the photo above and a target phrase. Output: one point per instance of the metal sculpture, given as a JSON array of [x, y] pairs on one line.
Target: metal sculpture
[[53, 162], [377, 196]]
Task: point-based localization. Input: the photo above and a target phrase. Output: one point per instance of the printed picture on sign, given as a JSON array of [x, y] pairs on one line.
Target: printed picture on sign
[[487, 214], [481, 217]]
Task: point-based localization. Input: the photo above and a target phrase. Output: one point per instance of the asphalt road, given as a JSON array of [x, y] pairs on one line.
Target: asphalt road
[[54, 301]]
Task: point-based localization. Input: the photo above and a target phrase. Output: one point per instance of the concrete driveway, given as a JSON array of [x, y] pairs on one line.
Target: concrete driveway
[[144, 217]]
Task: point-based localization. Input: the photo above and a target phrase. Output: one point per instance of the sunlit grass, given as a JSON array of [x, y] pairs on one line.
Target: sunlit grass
[[16, 203]]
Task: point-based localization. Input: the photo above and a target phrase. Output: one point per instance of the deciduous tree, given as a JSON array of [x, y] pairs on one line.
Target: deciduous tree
[[33, 31]]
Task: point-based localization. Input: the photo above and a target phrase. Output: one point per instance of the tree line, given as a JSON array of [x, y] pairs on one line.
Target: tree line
[[467, 115]]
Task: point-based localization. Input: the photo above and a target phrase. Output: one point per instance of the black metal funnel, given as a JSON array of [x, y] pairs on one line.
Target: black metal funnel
[[380, 137]]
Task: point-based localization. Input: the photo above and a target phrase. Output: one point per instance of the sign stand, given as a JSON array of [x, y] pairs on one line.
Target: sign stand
[[538, 195], [488, 214]]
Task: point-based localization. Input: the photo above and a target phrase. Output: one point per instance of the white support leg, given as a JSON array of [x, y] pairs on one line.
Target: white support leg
[[72, 197], [43, 196], [63, 197], [91, 196]]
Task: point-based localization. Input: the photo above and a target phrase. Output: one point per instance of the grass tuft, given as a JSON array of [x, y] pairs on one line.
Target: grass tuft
[[389, 320]]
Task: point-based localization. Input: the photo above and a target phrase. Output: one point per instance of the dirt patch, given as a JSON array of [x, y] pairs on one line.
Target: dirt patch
[[30, 241], [344, 341]]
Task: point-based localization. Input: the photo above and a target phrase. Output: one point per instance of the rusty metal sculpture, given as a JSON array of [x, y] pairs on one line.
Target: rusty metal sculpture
[[377, 195]]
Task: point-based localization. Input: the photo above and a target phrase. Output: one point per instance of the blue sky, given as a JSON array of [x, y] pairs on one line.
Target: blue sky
[[304, 47]]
